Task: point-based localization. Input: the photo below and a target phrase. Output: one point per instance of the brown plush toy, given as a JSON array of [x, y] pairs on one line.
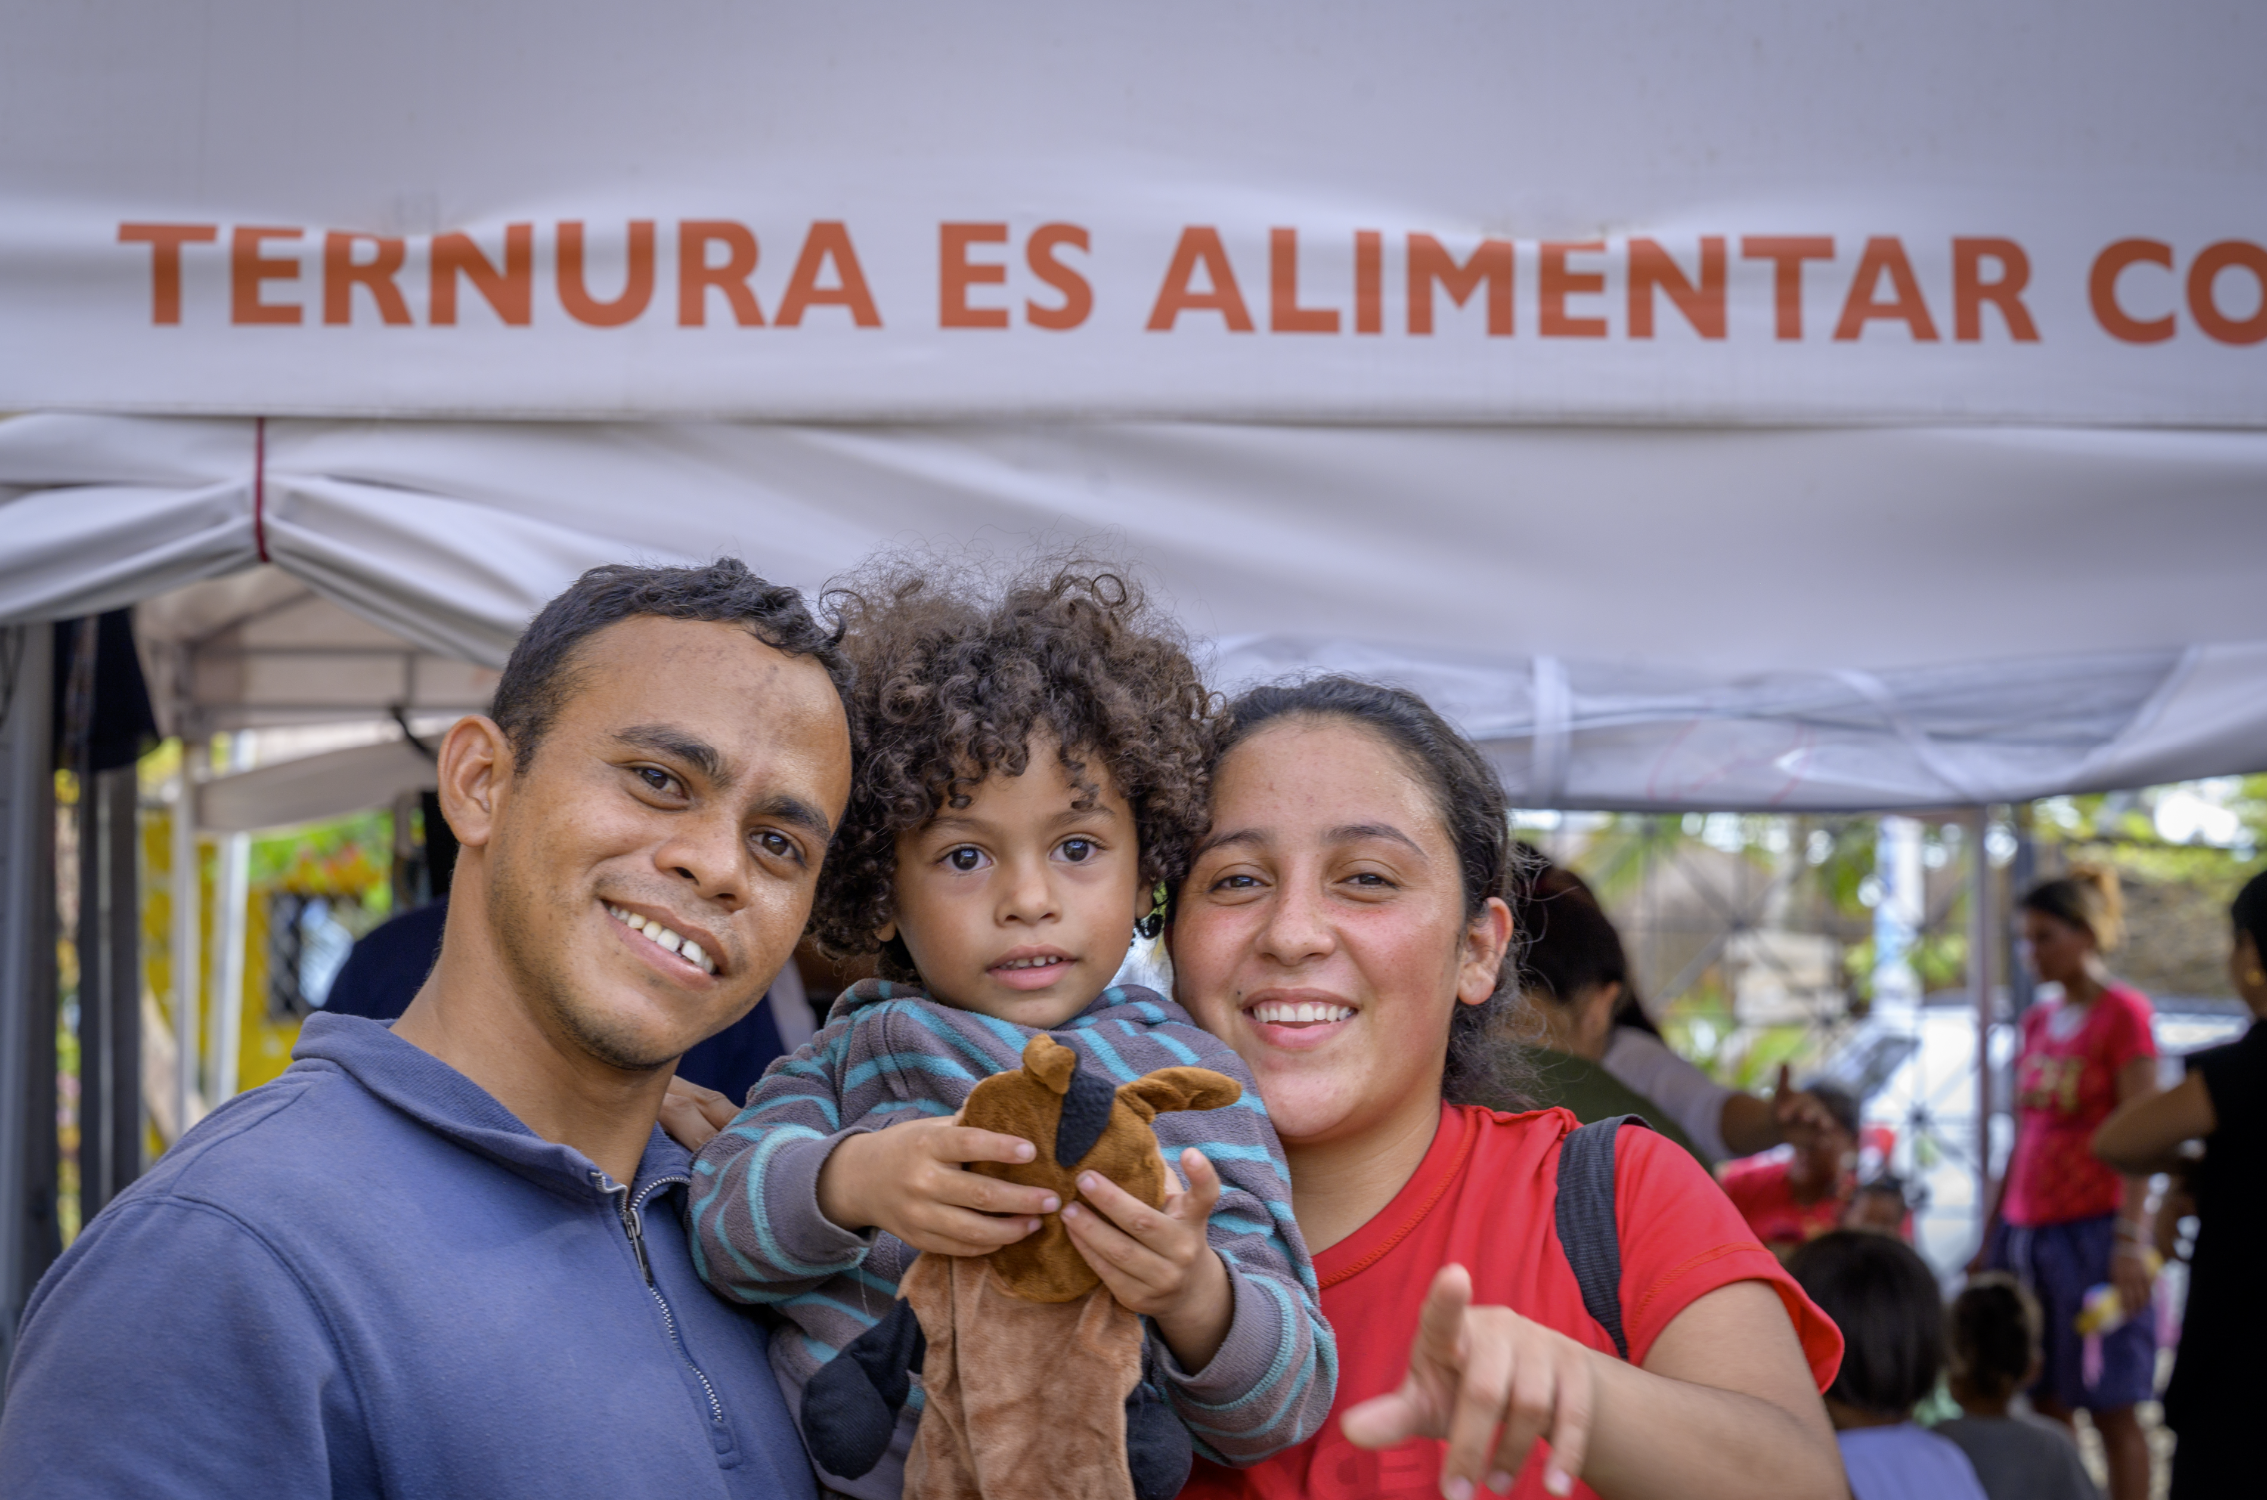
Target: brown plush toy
[[1031, 1372]]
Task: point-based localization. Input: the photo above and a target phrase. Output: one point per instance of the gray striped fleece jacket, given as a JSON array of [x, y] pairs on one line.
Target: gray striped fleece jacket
[[890, 1053]]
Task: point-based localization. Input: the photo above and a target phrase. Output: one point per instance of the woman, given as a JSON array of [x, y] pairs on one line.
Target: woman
[[1577, 976], [1342, 929], [2212, 1401], [2066, 1223], [1573, 977]]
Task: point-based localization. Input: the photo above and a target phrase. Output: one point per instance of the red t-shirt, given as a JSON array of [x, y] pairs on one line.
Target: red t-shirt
[[2065, 1086], [1484, 1197], [1759, 1189]]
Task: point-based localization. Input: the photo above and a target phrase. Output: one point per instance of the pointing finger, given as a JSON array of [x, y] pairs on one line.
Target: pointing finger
[[1440, 1325]]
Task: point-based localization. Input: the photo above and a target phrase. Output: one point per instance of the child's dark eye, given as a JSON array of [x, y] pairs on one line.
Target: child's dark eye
[[1076, 851], [964, 858]]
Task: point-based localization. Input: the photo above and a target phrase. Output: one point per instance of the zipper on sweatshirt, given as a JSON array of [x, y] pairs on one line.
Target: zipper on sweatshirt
[[631, 1212]]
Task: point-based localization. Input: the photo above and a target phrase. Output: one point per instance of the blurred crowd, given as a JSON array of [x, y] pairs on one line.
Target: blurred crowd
[[2059, 1312]]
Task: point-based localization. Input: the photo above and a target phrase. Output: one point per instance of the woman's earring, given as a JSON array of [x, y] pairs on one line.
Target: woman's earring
[[1154, 923], [2255, 975]]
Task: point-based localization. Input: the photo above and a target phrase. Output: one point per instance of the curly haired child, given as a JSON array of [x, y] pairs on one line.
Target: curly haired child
[[1031, 771]]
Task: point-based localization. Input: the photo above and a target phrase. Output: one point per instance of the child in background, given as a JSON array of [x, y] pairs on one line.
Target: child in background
[[1030, 772], [1884, 1299], [1993, 1331], [1881, 1206]]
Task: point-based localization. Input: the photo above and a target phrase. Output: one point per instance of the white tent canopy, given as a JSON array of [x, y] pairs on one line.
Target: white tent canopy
[[1747, 406]]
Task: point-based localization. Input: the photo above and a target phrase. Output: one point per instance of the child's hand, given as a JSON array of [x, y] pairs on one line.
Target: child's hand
[[908, 1180], [1157, 1260]]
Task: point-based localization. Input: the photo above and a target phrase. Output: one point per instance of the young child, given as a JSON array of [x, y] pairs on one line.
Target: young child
[[1030, 781], [1994, 1333], [1880, 1205], [1884, 1299]]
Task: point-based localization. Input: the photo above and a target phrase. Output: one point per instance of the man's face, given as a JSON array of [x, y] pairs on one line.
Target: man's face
[[651, 867]]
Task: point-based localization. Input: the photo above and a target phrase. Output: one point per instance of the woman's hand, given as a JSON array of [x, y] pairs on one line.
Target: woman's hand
[[1158, 1261], [693, 1115], [2130, 1274], [909, 1180], [1490, 1383]]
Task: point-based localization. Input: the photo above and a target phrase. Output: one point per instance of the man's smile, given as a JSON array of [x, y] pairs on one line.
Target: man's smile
[[662, 936]]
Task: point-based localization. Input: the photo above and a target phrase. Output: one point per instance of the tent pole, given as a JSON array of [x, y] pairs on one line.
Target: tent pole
[[232, 875], [231, 890], [1981, 927], [187, 914], [29, 1240]]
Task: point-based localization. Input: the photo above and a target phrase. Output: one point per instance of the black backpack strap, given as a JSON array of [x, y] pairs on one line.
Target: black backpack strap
[[1587, 1232]]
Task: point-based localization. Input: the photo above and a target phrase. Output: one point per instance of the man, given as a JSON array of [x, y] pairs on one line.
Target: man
[[446, 1258]]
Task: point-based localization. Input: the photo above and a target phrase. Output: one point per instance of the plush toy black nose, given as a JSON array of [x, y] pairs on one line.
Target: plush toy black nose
[[1086, 1114]]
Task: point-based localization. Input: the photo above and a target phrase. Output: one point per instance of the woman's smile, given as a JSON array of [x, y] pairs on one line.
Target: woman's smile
[[1297, 1020]]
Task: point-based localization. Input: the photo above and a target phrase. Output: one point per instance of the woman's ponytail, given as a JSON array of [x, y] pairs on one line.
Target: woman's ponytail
[[2087, 898]]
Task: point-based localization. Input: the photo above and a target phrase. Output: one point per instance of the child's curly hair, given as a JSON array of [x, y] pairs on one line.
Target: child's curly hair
[[955, 674]]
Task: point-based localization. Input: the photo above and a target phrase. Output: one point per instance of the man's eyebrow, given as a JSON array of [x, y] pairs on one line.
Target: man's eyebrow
[[1349, 833], [664, 739], [800, 813]]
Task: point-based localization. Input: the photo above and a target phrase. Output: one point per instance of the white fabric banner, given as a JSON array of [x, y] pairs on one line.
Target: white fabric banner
[[1983, 616], [1519, 212]]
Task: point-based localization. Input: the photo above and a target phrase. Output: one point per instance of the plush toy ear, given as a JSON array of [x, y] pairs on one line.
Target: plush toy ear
[[1050, 1062], [1179, 1088]]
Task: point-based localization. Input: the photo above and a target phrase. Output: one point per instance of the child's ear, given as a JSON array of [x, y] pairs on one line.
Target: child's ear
[[887, 931]]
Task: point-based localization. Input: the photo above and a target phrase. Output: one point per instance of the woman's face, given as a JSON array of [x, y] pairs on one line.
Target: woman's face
[[1322, 935], [2059, 951]]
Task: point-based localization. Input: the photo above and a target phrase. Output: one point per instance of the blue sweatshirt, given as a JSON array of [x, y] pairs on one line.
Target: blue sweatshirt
[[369, 1278]]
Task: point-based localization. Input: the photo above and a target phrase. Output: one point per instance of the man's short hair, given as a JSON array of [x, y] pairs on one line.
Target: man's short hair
[[541, 675]]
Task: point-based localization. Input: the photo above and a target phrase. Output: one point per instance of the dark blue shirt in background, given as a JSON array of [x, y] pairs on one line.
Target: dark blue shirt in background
[[383, 973]]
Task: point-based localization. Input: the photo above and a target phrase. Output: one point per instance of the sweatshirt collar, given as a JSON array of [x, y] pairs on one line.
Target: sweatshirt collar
[[446, 1102], [1120, 1002]]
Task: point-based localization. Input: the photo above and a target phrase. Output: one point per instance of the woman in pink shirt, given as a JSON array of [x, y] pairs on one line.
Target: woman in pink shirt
[[2065, 1223]]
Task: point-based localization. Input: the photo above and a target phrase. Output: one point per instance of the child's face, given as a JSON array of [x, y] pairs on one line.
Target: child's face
[[1019, 905]]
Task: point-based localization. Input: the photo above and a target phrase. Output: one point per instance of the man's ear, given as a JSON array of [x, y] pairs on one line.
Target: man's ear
[[476, 772], [1487, 941]]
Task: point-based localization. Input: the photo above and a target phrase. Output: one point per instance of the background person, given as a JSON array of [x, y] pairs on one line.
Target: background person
[[1793, 1198], [2065, 1222], [1884, 1299], [1992, 1338], [2213, 1400], [1573, 975], [1881, 1205], [1355, 861], [1720, 1121]]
